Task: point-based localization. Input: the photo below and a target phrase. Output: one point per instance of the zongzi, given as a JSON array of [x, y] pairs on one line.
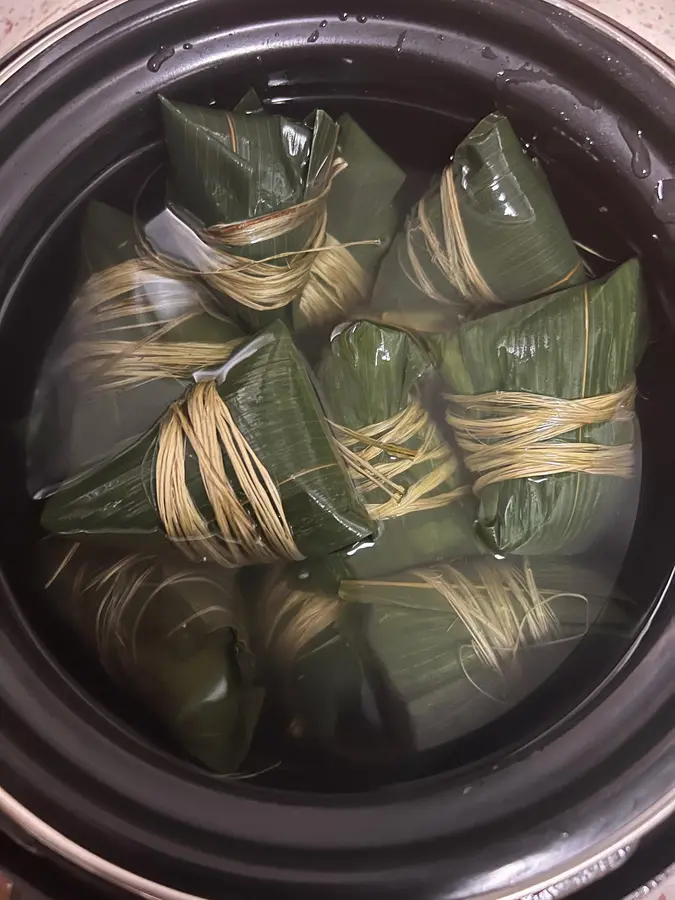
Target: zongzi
[[257, 187], [242, 470], [426, 657], [542, 407], [407, 474], [462, 643], [172, 635], [362, 221], [315, 677], [490, 234], [132, 336]]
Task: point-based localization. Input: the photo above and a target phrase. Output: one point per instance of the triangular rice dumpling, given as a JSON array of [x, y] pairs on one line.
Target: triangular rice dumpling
[[409, 477], [234, 166], [488, 235], [132, 336], [360, 208], [242, 470], [424, 657], [257, 185], [542, 406], [463, 643], [316, 678], [171, 634]]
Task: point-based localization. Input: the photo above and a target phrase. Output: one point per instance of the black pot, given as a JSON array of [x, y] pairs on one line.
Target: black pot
[[598, 771]]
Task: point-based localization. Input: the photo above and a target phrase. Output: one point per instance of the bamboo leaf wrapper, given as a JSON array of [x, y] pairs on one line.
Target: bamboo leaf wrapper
[[257, 184], [490, 234], [549, 473], [171, 634], [372, 378], [314, 673], [240, 469], [465, 642], [429, 655], [132, 336], [360, 208]]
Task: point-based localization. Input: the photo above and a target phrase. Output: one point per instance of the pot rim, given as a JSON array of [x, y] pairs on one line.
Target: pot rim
[[624, 842]]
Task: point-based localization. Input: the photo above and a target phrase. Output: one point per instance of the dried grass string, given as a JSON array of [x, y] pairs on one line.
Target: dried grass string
[[111, 591], [337, 285], [277, 280], [377, 456], [112, 301], [498, 610], [449, 251], [515, 434], [292, 618], [501, 607], [203, 421]]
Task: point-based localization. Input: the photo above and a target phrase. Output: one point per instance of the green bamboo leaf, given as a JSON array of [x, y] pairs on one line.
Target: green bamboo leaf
[[363, 208], [229, 167], [132, 337], [312, 671], [579, 343], [171, 634], [250, 103], [360, 208], [323, 148], [425, 629], [268, 392], [371, 375], [513, 243], [381, 668], [107, 238]]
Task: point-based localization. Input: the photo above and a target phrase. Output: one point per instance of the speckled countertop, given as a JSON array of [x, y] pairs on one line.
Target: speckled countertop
[[653, 20]]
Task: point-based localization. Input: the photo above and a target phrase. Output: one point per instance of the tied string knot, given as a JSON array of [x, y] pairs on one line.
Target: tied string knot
[[248, 532], [447, 247], [277, 280], [510, 435], [141, 296], [377, 456], [503, 610]]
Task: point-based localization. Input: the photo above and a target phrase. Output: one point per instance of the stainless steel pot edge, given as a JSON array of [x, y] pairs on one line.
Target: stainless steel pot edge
[[53, 840], [652, 885], [56, 842], [54, 34], [651, 54]]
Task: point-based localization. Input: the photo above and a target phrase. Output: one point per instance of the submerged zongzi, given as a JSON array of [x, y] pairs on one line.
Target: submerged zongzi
[[257, 186], [172, 635], [362, 221], [542, 407], [132, 336], [407, 474], [433, 653], [489, 234], [315, 677], [242, 470]]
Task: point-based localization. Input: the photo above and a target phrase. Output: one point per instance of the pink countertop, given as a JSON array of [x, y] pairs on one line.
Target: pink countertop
[[652, 19]]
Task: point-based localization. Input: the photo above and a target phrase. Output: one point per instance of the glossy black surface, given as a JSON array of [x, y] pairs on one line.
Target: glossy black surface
[[83, 109]]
